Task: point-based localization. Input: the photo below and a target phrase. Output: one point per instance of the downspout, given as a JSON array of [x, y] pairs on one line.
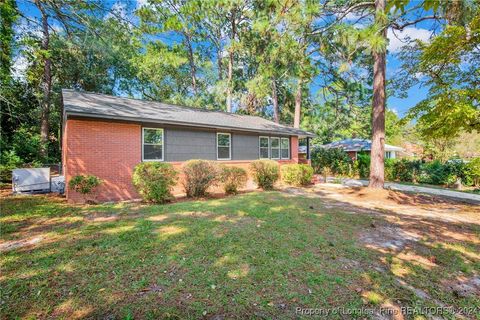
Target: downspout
[[308, 148]]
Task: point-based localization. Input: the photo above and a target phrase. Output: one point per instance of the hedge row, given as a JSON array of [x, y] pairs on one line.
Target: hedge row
[[154, 181], [337, 162]]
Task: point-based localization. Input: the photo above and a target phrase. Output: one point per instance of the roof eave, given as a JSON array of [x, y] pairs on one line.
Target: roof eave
[[300, 133]]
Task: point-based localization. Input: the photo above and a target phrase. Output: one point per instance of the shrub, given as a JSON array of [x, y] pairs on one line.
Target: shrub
[[233, 178], [433, 173], [265, 173], [154, 181], [297, 174], [407, 170], [85, 185], [335, 161], [389, 169], [363, 161], [454, 172], [199, 176], [9, 161], [472, 172]]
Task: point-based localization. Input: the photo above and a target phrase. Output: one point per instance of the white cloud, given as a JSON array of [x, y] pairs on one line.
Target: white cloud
[[352, 16], [20, 66], [394, 110], [142, 3], [398, 39], [119, 9]]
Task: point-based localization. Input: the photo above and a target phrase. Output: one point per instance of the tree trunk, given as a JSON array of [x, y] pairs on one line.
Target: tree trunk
[[276, 116], [230, 62], [193, 68], [229, 82], [377, 166], [219, 63], [46, 84], [298, 105]]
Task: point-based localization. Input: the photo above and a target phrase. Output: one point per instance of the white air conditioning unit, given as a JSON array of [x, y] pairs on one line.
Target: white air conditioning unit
[[31, 180]]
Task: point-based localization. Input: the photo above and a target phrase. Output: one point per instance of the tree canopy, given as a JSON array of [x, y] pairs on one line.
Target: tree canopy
[[302, 63]]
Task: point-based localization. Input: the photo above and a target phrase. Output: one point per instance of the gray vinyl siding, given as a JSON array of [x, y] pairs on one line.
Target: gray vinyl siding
[[187, 144], [245, 147], [182, 144]]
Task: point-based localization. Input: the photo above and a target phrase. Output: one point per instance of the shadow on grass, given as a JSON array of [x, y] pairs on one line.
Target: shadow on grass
[[255, 255]]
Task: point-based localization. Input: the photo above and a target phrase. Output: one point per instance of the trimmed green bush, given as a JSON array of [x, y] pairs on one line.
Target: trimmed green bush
[[154, 181], [297, 174], [85, 185], [265, 173], [199, 176], [233, 178]]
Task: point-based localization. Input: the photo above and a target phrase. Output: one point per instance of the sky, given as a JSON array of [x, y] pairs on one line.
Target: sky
[[396, 42], [416, 93]]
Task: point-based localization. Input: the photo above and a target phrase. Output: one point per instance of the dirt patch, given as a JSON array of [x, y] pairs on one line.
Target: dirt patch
[[396, 202], [101, 217], [154, 288], [16, 244], [464, 287], [388, 238], [5, 192]]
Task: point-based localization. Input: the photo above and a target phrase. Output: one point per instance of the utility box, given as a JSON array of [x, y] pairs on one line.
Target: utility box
[[31, 180]]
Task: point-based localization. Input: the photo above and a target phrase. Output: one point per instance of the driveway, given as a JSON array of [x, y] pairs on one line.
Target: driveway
[[417, 189]]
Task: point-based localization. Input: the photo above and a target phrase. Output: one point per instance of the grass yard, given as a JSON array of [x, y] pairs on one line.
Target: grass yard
[[261, 254]]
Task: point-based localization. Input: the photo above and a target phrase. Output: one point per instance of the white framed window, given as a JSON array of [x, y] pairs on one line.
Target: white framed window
[[285, 148], [224, 146], [275, 148], [152, 144], [263, 147]]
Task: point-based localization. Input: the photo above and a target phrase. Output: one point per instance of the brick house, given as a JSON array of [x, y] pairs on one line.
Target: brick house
[[108, 136]]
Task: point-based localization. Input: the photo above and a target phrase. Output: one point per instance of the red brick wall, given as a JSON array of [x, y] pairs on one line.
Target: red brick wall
[[110, 151], [352, 155]]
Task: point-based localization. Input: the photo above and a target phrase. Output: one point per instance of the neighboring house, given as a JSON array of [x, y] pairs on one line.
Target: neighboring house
[[108, 136], [355, 146], [412, 150]]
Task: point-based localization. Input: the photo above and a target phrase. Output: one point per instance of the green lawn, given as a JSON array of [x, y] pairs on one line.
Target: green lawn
[[254, 255]]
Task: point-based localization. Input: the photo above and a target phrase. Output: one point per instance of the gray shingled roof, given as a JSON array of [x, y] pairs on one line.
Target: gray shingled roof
[[116, 108], [358, 145]]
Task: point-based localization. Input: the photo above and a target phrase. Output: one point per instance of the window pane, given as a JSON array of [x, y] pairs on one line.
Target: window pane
[[285, 148], [223, 152], [153, 136], [275, 142], [264, 142], [275, 153], [223, 139], [152, 152], [263, 152]]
